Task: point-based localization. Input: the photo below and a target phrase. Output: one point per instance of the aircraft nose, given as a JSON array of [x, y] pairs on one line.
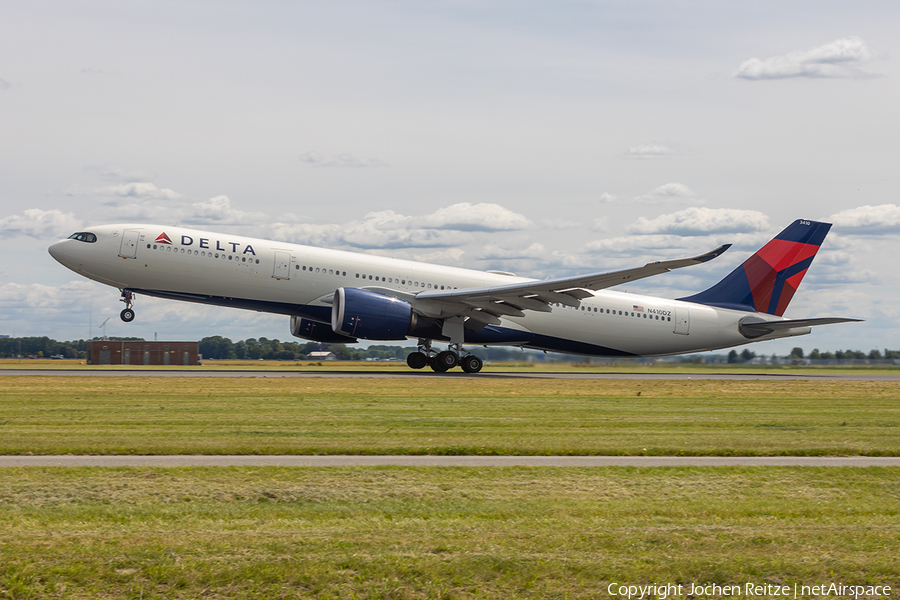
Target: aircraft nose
[[58, 251]]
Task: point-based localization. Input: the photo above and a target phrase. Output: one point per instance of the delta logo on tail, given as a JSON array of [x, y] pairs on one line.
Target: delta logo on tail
[[163, 239], [768, 280]]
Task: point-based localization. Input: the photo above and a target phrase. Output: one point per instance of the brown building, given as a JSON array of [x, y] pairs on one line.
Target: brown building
[[113, 352]]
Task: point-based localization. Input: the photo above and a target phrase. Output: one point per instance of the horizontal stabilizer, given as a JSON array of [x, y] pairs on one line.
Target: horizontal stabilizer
[[754, 327]]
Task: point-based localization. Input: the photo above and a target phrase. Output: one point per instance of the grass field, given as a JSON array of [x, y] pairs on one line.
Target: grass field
[[133, 415], [438, 532], [441, 532]]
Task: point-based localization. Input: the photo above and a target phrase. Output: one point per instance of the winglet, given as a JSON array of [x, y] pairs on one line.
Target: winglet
[[712, 254]]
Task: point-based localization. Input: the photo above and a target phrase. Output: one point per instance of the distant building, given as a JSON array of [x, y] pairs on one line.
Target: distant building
[[113, 352], [322, 356]]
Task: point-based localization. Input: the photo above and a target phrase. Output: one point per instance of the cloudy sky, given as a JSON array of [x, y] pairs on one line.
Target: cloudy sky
[[543, 138]]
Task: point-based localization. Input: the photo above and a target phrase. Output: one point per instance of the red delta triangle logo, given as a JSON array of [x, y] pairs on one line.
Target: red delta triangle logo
[[163, 239]]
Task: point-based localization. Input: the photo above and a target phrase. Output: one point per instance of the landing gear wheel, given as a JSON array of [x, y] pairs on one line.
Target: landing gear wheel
[[471, 364], [127, 315], [437, 368], [446, 360], [417, 360]]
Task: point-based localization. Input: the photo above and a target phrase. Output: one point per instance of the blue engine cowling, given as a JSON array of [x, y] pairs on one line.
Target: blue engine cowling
[[369, 315]]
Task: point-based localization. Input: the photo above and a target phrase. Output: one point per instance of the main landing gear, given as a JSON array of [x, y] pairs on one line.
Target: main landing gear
[[441, 362], [127, 313]]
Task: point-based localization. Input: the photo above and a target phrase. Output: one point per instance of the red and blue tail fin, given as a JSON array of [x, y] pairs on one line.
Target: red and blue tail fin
[[767, 281]]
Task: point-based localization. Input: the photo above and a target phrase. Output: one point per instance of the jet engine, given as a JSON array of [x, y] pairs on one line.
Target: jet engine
[[369, 315]]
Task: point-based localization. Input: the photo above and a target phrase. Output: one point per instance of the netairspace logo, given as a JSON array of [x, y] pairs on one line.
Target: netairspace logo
[[661, 591]]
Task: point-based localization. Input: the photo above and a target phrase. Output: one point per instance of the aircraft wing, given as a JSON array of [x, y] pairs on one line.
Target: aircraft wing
[[488, 304]]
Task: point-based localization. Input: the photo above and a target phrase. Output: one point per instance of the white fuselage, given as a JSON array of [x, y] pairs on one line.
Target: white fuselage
[[284, 278]]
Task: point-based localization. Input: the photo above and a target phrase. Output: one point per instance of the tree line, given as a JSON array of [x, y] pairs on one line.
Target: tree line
[[221, 348], [797, 353]]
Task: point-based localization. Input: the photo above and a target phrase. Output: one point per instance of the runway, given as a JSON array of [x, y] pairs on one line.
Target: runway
[[447, 461], [363, 374]]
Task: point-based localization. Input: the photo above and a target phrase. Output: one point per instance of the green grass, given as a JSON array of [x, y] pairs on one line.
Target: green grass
[[438, 532], [133, 415]]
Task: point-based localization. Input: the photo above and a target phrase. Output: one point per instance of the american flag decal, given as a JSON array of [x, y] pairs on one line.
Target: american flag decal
[[638, 308]]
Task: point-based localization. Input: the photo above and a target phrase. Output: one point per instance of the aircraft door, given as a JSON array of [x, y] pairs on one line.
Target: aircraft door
[[682, 321], [128, 249], [282, 265]]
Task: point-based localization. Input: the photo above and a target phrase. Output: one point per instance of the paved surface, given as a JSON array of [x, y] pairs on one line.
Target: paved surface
[[445, 461], [862, 376]]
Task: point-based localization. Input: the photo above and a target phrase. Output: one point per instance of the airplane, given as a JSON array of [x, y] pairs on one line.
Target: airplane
[[334, 296]]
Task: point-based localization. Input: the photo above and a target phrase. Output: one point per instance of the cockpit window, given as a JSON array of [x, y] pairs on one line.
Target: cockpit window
[[84, 236]]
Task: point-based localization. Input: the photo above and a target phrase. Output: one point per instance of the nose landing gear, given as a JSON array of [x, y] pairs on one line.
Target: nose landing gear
[[127, 313]]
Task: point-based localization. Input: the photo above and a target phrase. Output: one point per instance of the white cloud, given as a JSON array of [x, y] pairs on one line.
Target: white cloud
[[696, 221], [647, 151], [444, 228], [137, 190], [535, 250], [305, 233], [474, 217], [840, 58], [560, 224], [217, 210], [873, 220], [668, 193], [637, 244], [40, 224], [74, 294], [145, 201], [606, 198], [119, 174], [387, 229], [343, 160]]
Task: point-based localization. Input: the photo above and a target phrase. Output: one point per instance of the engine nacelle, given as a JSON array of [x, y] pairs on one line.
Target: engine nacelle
[[317, 332], [370, 315]]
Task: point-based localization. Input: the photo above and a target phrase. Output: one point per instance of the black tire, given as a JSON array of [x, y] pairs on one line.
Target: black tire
[[127, 315], [417, 360], [446, 360], [436, 367], [471, 364]]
